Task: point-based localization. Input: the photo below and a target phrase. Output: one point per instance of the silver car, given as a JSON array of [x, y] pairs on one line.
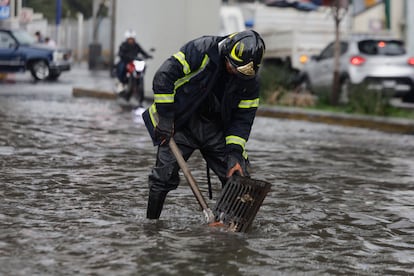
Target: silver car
[[380, 63]]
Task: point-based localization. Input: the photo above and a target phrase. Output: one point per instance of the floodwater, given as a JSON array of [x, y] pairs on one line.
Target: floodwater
[[73, 178]]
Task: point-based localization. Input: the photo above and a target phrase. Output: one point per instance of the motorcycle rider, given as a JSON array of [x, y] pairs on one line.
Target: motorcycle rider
[[206, 97], [128, 51]]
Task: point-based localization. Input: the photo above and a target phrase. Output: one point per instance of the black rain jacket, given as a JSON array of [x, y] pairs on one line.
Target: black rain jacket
[[195, 80], [128, 52]]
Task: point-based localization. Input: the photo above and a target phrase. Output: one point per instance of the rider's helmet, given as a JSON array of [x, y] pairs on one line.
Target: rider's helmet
[[130, 34], [244, 51]]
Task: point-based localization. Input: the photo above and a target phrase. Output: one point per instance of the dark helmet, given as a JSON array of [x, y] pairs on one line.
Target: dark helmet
[[244, 51]]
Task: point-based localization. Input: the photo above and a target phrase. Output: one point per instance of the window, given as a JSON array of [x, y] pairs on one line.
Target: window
[[328, 52], [381, 47], [344, 47], [23, 37], [6, 41]]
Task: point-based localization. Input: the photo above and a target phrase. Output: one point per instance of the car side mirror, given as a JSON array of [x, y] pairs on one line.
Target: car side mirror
[[13, 45]]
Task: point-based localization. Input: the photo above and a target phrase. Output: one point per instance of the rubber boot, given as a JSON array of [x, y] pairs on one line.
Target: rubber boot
[[155, 204]]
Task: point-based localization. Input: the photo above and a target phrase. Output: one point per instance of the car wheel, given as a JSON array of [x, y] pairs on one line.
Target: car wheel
[[408, 98], [39, 70], [53, 76], [304, 84], [344, 91]]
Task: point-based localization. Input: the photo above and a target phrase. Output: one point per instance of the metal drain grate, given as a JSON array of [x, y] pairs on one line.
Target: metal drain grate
[[239, 202]]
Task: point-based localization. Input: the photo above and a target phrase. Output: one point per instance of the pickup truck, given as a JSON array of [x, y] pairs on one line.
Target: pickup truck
[[19, 52]]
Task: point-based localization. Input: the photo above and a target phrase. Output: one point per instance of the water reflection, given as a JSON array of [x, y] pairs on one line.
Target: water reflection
[[74, 186]]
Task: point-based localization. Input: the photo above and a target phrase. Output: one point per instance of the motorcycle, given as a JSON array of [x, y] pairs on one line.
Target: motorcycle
[[133, 90]]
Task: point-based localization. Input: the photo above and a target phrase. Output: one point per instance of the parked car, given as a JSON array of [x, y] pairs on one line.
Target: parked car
[[379, 63], [20, 52]]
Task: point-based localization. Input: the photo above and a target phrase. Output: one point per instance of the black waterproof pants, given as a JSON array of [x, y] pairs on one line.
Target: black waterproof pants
[[201, 134]]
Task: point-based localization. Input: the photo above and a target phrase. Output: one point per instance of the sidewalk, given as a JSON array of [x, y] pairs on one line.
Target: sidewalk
[[101, 85], [96, 84], [385, 124]]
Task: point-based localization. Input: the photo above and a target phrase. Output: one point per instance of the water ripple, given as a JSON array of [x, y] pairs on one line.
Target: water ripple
[[74, 190]]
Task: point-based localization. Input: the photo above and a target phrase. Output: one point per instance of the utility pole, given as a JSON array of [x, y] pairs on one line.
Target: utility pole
[[339, 9], [112, 42], [79, 51], [58, 18], [12, 9], [409, 26], [19, 7], [95, 48]]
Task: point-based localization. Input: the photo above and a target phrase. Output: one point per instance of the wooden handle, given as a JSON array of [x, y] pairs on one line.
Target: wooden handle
[[190, 179]]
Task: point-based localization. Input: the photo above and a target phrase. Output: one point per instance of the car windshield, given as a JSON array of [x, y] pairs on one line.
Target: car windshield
[[23, 37], [381, 47]]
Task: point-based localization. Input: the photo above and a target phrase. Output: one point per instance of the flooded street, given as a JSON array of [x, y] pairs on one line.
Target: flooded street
[[73, 178]]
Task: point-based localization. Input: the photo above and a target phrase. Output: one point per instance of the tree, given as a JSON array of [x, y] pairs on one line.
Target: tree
[[339, 9], [69, 7]]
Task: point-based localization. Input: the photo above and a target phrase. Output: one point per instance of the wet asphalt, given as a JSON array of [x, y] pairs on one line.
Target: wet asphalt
[[73, 178]]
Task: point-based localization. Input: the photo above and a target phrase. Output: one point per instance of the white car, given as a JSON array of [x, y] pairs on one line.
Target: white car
[[380, 63]]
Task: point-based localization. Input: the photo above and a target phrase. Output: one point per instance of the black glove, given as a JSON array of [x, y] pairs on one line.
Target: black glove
[[236, 164], [164, 130]]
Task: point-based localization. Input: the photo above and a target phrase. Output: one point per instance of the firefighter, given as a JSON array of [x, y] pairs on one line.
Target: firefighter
[[205, 96]]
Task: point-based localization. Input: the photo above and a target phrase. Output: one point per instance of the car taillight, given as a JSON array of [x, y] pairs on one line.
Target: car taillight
[[411, 61], [357, 60]]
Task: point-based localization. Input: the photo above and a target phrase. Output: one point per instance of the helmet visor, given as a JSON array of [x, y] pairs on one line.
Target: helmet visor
[[243, 71]]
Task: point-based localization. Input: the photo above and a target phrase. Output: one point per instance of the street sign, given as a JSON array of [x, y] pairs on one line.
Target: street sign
[[4, 9]]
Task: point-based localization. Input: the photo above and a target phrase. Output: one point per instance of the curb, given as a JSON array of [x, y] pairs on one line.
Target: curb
[[93, 93], [391, 125]]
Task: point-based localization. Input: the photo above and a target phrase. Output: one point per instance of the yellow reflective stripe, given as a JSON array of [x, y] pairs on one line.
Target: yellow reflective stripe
[[153, 114], [249, 103], [188, 77], [233, 52], [164, 98], [180, 56], [232, 139], [233, 34], [169, 98]]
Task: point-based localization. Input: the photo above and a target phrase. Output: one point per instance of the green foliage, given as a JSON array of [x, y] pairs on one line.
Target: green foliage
[[69, 8], [365, 101], [391, 111], [401, 113], [274, 78], [324, 97]]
